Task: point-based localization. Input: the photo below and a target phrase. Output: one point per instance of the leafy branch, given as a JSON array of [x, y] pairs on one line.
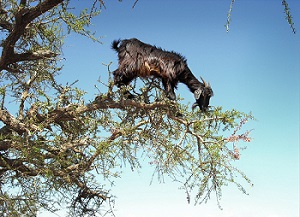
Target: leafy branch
[[288, 17]]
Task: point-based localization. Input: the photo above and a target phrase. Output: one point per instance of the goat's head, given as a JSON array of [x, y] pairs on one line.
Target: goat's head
[[117, 78], [202, 95], [121, 78]]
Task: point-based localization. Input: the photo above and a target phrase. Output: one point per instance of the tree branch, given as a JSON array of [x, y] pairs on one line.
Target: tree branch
[[15, 124], [23, 17], [40, 54], [16, 165]]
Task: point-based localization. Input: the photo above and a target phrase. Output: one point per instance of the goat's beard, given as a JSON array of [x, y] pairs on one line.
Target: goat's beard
[[197, 103]]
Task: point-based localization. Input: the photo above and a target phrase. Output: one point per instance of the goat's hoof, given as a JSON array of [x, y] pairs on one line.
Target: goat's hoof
[[129, 95], [179, 115], [171, 96], [147, 101]]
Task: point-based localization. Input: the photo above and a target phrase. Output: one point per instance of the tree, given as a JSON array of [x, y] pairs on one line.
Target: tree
[[54, 145]]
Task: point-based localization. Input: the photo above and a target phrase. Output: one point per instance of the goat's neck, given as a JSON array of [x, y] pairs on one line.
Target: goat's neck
[[190, 80]]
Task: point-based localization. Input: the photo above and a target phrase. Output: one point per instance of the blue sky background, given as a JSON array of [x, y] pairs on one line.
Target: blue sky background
[[253, 68]]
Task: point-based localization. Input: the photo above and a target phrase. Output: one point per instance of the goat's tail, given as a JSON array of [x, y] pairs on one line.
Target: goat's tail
[[114, 45]]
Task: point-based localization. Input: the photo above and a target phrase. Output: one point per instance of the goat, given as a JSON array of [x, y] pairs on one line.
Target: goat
[[137, 59]]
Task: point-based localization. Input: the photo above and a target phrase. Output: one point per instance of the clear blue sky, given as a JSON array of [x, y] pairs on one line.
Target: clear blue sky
[[255, 67]]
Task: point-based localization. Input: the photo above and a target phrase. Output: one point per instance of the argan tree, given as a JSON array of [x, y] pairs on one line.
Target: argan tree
[[58, 148]]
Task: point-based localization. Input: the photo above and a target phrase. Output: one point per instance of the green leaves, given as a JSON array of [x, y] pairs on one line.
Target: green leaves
[[79, 23], [287, 12], [288, 17]]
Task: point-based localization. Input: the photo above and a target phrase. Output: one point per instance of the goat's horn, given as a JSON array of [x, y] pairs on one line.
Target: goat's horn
[[204, 82]]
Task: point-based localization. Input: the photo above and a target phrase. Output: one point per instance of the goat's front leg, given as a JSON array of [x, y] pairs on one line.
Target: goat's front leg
[[169, 89], [121, 78]]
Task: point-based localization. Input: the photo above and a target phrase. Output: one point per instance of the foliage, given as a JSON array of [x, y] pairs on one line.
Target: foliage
[[287, 12], [57, 150], [288, 17]]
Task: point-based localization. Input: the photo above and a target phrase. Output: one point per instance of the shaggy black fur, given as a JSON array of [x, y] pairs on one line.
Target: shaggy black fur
[[137, 59]]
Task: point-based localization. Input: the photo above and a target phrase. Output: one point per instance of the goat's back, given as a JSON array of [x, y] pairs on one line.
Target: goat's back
[[148, 59]]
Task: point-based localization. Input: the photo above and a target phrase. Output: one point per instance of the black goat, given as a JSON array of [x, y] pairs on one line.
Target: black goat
[[137, 59]]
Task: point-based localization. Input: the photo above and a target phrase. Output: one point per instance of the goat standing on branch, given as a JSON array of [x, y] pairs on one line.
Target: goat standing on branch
[[137, 59]]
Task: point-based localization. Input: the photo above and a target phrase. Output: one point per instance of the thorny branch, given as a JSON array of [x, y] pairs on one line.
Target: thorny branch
[[287, 12]]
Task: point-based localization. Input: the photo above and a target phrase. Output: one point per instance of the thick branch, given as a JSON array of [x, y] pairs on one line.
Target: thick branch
[[15, 124], [70, 112], [23, 17], [17, 165], [40, 54]]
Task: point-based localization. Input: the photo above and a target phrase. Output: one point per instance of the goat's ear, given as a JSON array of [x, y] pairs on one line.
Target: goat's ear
[[197, 93]]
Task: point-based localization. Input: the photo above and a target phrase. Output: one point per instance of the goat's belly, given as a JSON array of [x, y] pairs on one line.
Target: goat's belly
[[148, 70]]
